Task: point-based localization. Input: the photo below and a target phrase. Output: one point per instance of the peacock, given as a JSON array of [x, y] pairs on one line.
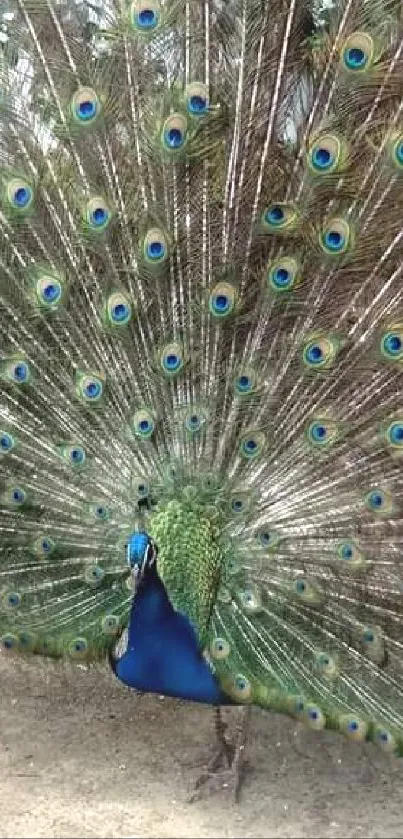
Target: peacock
[[201, 337]]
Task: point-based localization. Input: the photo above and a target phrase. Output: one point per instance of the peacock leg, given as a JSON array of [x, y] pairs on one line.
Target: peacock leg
[[231, 754]]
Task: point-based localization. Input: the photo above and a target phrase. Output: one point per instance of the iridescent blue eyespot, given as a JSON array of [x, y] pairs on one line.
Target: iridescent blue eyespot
[[197, 99], [252, 445], [118, 309], [19, 194], [355, 58], [395, 433], [300, 586], [145, 15], [77, 455], [7, 442], [172, 358], [85, 105], [358, 52], [155, 246], [17, 496], [97, 214], [194, 422], [222, 300], [90, 388], [376, 499], [275, 215], [392, 343], [278, 217], [143, 424], [94, 575], [9, 642], [174, 132], [11, 599], [237, 505]]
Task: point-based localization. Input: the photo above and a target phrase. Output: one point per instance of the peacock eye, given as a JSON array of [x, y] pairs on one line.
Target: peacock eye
[[379, 502], [8, 642], [392, 344], [222, 300], [110, 625], [145, 16], [49, 291], [252, 445], [118, 309], [155, 246], [279, 217], [174, 133], [90, 388], [19, 195], [197, 100], [219, 649], [319, 352], [7, 442], [97, 215], [78, 647], [172, 359], [94, 575], [283, 274], [336, 236], [17, 496], [358, 52], [11, 600], [325, 154], [18, 371], [85, 105], [143, 424]]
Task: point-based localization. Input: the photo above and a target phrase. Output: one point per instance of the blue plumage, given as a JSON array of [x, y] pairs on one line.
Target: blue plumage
[[163, 654]]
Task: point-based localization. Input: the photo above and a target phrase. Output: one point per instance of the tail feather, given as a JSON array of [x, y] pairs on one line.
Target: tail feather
[[200, 290]]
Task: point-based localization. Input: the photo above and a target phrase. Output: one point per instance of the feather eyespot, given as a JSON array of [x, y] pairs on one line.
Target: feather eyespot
[[222, 300], [252, 445], [358, 52], [326, 154], [322, 433], [89, 388], [279, 217], [172, 359], [391, 344], [283, 275], [49, 291], [118, 309], [85, 105], [336, 237], [94, 575], [143, 424], [155, 247], [97, 215], [7, 442], [219, 649], [78, 648], [145, 16], [380, 502], [197, 100], [19, 195], [110, 625], [174, 133]]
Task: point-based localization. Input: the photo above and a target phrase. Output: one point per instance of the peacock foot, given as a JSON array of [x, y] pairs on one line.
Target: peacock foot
[[226, 769]]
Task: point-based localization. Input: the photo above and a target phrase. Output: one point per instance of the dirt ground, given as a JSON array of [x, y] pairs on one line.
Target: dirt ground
[[83, 756]]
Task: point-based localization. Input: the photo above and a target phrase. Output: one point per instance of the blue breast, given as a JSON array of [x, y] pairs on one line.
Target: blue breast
[[163, 654]]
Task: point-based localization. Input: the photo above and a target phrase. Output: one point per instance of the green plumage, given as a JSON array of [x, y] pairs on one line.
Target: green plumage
[[201, 335]]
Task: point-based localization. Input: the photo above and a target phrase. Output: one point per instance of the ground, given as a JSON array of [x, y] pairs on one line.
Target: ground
[[81, 755]]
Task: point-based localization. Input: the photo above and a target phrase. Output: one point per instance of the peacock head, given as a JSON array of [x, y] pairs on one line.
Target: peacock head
[[141, 555]]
